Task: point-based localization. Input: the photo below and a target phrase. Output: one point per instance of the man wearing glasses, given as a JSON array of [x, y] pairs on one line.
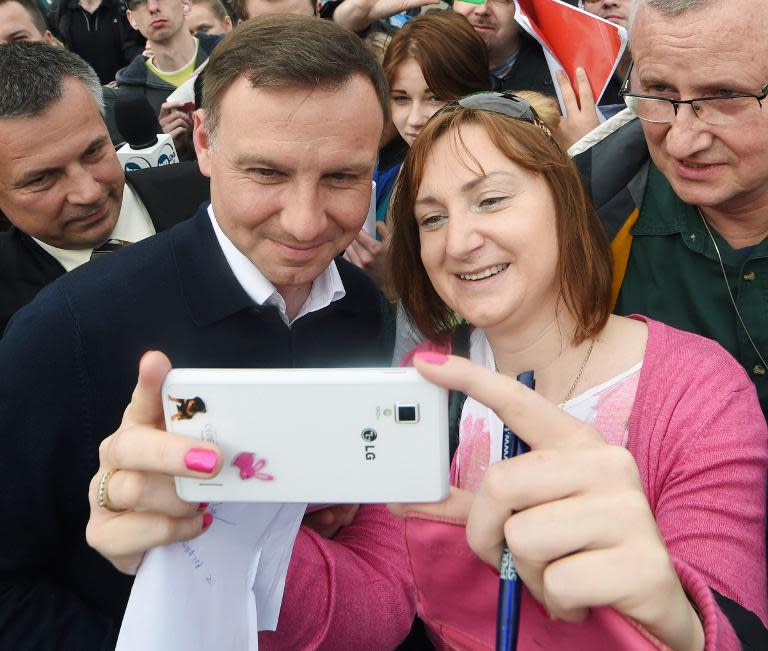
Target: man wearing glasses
[[689, 223]]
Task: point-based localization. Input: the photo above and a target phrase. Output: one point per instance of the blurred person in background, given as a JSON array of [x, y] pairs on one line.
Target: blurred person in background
[[21, 20], [99, 32], [516, 60], [208, 17], [432, 60], [616, 12]]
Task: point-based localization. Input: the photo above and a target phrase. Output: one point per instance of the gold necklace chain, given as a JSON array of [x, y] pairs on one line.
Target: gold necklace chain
[[728, 287], [579, 374]]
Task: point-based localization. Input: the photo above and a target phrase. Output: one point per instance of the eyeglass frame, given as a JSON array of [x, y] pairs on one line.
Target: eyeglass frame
[[526, 112], [624, 93]]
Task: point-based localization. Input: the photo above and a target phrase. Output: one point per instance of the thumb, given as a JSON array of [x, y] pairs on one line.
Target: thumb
[[146, 406]]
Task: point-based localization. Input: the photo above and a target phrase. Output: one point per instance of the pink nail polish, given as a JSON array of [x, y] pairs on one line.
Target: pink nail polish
[[200, 460], [207, 519], [202, 506], [432, 358]]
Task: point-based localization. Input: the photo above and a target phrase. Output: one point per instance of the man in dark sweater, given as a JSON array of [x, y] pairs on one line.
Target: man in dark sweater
[[253, 280]]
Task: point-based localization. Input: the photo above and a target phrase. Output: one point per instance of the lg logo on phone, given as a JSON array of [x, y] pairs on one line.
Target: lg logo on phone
[[369, 436]]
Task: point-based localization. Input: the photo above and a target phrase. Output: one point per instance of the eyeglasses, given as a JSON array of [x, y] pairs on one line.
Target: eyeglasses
[[504, 103], [716, 111]]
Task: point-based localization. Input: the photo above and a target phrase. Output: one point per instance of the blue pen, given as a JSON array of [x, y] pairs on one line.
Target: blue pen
[[510, 585]]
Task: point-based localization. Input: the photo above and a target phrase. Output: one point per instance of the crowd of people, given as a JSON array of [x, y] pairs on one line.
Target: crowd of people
[[624, 261]]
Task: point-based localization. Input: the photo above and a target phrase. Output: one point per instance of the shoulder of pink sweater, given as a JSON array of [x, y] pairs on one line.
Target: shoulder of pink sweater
[[694, 355], [685, 372]]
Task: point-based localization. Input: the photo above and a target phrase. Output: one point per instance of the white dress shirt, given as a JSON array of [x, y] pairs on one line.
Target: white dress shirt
[[326, 288], [133, 224]]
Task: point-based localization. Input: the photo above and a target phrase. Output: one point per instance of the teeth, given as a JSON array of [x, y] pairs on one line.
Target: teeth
[[492, 271]]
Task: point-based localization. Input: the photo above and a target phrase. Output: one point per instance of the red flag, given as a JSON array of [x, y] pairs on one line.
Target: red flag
[[572, 38]]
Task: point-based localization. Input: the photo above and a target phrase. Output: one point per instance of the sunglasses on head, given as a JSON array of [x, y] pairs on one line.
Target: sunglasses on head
[[504, 103]]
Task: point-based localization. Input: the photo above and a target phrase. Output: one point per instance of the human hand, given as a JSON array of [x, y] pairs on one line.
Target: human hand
[[581, 531], [371, 255], [329, 521], [143, 509], [581, 114], [356, 15], [175, 119]]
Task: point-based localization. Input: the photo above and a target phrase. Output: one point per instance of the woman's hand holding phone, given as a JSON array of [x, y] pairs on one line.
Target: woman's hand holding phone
[[142, 510]]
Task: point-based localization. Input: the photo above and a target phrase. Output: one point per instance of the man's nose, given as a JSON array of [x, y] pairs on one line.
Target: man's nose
[[153, 6], [687, 135], [303, 218], [84, 189]]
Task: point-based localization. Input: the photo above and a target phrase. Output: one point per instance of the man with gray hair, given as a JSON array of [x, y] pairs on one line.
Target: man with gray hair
[[61, 185], [253, 280], [683, 190]]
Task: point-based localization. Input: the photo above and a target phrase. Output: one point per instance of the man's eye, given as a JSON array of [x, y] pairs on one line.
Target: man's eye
[[94, 152], [38, 181], [340, 176]]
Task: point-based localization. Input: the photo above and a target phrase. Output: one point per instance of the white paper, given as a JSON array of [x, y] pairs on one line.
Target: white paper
[[210, 592]]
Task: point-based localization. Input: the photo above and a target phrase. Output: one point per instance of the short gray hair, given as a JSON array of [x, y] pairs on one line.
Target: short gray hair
[[666, 7], [31, 75]]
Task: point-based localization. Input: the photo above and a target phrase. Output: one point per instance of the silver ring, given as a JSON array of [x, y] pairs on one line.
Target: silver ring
[[102, 493]]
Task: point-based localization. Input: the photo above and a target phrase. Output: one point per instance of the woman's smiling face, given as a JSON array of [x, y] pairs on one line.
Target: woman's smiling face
[[487, 229]]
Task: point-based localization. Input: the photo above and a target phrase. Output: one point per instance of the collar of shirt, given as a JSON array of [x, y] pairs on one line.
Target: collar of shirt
[[326, 288], [133, 225], [502, 70], [664, 213]]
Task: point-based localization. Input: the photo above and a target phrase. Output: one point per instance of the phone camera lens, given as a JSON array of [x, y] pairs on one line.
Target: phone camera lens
[[407, 413]]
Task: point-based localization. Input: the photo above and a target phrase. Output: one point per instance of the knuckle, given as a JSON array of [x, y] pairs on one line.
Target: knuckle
[[166, 530], [556, 588], [130, 486], [495, 482], [517, 541]]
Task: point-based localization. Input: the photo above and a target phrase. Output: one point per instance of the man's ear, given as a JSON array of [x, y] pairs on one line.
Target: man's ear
[[201, 141], [227, 24], [48, 37], [129, 16], [186, 6]]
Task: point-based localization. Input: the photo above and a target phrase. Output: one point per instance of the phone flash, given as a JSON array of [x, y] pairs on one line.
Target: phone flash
[[387, 412]]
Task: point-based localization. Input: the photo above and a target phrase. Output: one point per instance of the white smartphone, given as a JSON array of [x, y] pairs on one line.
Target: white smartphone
[[313, 435]]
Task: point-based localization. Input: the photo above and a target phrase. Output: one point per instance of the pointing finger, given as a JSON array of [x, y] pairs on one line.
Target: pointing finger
[[532, 417]]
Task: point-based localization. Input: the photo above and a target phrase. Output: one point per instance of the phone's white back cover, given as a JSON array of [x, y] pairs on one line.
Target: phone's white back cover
[[299, 434]]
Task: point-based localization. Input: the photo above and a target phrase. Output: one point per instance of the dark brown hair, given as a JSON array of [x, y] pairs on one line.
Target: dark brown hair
[[584, 258], [288, 50], [451, 55]]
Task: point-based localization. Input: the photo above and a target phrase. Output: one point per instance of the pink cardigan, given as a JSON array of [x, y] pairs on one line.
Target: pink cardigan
[[699, 439], [701, 444]]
